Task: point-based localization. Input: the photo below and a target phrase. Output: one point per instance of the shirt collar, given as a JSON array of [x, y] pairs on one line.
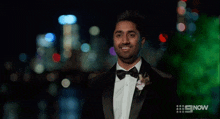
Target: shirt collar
[[138, 66]]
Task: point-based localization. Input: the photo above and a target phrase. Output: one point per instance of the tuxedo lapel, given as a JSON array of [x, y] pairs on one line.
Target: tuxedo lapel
[[139, 97], [107, 96]]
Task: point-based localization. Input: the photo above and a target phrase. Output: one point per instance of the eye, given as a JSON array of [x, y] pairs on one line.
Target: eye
[[118, 35], [132, 35]]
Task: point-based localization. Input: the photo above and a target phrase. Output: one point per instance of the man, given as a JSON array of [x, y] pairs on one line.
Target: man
[[116, 94]]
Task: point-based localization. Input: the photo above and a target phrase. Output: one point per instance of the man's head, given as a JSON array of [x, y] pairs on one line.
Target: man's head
[[129, 36]]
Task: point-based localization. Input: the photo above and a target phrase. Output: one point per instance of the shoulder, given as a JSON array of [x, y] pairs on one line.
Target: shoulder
[[165, 79], [162, 74]]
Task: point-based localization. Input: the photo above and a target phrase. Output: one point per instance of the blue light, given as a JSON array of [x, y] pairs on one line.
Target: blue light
[[23, 57], [50, 37], [70, 19], [85, 47], [67, 19], [61, 19]]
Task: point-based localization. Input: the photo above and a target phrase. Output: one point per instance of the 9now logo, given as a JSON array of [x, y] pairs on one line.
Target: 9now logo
[[190, 108]]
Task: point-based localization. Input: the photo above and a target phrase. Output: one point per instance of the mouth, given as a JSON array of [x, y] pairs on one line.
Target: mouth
[[125, 48]]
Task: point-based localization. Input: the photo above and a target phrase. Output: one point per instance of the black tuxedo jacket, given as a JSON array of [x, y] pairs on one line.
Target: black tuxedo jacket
[[157, 100]]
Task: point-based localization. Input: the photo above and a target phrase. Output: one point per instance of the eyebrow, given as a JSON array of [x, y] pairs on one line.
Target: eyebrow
[[131, 31]]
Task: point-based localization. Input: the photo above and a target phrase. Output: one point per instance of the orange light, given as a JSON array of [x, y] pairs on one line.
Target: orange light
[[163, 37], [56, 57]]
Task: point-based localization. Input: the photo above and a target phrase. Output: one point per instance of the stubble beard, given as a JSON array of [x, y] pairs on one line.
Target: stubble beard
[[128, 59]]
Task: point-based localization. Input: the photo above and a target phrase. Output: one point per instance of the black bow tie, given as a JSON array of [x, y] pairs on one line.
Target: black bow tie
[[121, 73]]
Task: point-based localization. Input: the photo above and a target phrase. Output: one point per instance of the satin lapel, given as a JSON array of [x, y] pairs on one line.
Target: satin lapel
[[107, 96], [139, 97]]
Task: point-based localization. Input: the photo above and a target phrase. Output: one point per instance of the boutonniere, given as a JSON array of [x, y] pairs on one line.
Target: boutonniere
[[142, 82]]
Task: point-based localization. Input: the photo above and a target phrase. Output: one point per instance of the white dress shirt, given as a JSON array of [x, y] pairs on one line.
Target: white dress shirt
[[123, 93]]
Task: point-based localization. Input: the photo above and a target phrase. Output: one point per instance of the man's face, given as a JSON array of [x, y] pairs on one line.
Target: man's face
[[127, 41]]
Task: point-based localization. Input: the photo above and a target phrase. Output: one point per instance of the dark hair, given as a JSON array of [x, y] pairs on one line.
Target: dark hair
[[136, 18]]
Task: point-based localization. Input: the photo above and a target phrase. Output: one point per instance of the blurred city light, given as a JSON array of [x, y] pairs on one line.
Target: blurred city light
[[192, 27], [23, 57], [67, 53], [181, 27], [3, 88], [14, 77], [181, 10], [39, 68], [85, 47], [11, 110], [112, 51], [42, 105], [8, 65], [27, 77], [50, 37], [65, 83], [163, 37], [195, 16], [61, 19], [56, 57], [40, 51], [195, 10], [67, 19], [92, 56], [53, 89], [41, 41], [69, 108], [51, 77], [181, 3], [94, 30]]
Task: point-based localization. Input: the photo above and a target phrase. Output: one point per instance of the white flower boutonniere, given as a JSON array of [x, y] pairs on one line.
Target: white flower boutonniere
[[143, 81]]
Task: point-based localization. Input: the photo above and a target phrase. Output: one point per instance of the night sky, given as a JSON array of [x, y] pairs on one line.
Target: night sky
[[22, 21]]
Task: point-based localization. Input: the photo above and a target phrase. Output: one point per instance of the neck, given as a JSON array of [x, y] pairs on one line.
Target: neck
[[126, 65]]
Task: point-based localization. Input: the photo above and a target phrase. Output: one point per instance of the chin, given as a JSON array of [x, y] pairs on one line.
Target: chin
[[128, 60]]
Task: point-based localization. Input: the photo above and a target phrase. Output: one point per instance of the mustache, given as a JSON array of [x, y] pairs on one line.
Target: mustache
[[124, 45]]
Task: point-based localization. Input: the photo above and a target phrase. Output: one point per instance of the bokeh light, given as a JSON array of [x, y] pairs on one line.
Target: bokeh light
[[8, 65], [181, 10], [195, 10], [53, 88], [61, 19], [51, 77], [70, 19], [92, 56], [65, 83], [94, 30], [42, 105], [195, 16], [67, 53], [56, 57], [41, 41], [50, 37], [23, 57], [163, 37], [67, 19], [192, 27], [3, 88], [39, 68], [27, 77], [182, 3], [40, 51], [112, 51], [85, 47], [14, 77], [181, 27]]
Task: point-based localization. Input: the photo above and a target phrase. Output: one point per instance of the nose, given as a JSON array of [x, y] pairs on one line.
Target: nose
[[125, 39]]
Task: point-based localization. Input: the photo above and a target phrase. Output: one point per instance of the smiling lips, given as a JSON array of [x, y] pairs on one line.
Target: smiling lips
[[125, 48]]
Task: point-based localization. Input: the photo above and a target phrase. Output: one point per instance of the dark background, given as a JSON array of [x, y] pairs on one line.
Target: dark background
[[22, 21]]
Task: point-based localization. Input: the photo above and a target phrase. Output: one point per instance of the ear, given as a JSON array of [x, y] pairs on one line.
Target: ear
[[143, 41]]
